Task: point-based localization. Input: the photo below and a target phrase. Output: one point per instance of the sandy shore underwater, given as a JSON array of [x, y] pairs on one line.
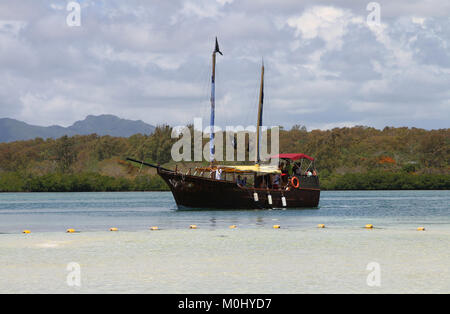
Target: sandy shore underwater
[[297, 260]]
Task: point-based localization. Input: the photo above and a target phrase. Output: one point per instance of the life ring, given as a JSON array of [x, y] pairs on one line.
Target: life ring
[[295, 182]]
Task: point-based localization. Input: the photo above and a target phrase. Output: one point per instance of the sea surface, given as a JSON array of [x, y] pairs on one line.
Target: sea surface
[[344, 257]]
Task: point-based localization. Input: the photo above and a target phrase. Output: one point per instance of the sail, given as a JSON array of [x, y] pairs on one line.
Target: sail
[[264, 169], [267, 169]]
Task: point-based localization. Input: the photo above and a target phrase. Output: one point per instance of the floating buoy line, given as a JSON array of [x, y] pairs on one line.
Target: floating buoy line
[[277, 226]]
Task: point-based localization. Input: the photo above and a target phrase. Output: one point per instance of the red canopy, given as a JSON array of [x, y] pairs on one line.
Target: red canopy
[[293, 156]]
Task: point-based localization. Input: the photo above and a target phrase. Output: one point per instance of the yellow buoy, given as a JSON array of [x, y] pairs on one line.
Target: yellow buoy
[[276, 226], [113, 229], [233, 227], [70, 230], [26, 231], [192, 227], [154, 228], [421, 229], [369, 226], [320, 226]]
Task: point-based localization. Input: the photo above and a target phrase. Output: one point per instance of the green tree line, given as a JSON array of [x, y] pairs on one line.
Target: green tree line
[[346, 158], [84, 182]]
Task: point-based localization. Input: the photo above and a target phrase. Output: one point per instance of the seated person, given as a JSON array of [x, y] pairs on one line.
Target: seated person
[[241, 182], [276, 181]]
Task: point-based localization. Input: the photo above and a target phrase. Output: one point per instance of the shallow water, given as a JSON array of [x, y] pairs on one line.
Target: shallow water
[[254, 258], [44, 212]]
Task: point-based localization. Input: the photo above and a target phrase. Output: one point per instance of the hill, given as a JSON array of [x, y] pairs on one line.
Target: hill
[[13, 130]]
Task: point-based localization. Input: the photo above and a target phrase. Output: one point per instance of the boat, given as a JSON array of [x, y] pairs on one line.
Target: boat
[[291, 183]]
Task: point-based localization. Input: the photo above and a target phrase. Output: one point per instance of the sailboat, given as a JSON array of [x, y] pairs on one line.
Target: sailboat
[[271, 187]]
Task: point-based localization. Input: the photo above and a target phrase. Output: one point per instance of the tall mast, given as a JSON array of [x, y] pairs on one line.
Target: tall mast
[[213, 102], [260, 112]]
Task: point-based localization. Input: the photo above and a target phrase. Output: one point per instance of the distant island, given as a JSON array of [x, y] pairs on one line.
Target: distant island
[[13, 130], [356, 158]]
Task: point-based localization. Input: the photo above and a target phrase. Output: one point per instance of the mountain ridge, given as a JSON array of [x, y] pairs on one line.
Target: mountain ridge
[[15, 130]]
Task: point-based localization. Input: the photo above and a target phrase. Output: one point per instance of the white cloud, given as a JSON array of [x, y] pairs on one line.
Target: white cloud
[[201, 9], [38, 107], [326, 22], [12, 27], [150, 60], [138, 58]]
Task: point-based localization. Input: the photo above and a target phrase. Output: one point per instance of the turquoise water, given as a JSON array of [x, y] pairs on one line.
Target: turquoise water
[[44, 212], [254, 258]]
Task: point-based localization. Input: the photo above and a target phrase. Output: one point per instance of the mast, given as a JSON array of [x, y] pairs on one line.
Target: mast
[[260, 112], [213, 103]]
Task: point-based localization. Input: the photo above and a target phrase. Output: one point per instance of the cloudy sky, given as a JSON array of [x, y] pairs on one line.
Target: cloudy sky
[[326, 66]]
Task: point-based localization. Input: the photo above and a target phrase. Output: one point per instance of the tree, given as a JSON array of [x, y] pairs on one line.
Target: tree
[[65, 153]]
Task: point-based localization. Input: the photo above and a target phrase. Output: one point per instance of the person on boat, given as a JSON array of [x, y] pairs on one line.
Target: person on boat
[[284, 174], [269, 180], [276, 181], [241, 182], [218, 174], [289, 169], [309, 173], [297, 170]]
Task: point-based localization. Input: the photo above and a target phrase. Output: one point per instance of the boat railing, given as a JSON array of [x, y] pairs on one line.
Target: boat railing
[[304, 179]]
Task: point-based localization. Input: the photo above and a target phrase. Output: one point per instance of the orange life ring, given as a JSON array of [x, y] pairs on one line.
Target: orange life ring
[[295, 182]]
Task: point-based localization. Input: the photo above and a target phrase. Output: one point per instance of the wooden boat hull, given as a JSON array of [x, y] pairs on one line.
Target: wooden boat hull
[[195, 192]]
